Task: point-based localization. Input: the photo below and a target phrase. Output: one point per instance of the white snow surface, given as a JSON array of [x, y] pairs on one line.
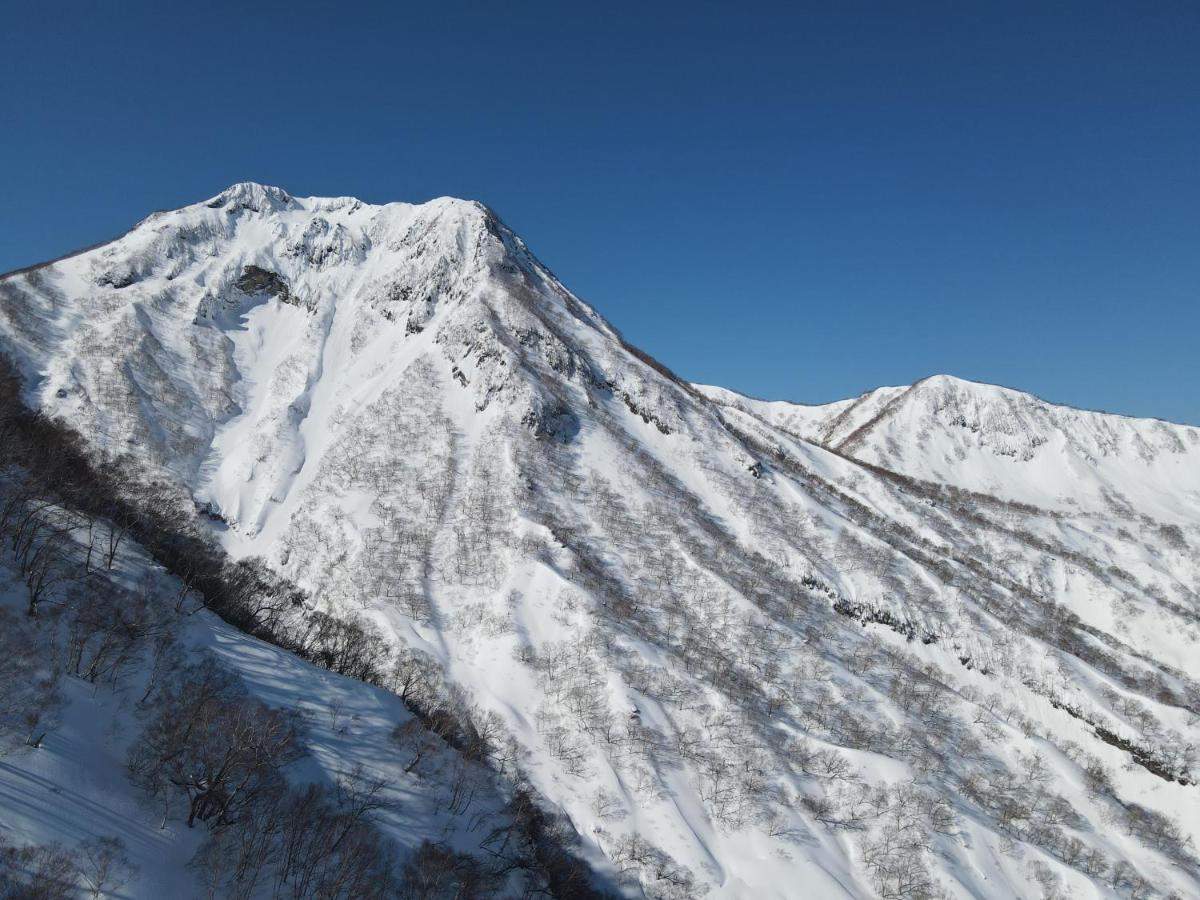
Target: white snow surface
[[673, 595], [76, 787], [1003, 442]]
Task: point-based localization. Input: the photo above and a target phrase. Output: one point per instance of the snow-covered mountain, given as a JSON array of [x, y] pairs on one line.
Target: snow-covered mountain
[[999, 441], [936, 639]]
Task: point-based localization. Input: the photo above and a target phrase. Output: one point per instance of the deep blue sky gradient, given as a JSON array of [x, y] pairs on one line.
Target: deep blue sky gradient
[[798, 201]]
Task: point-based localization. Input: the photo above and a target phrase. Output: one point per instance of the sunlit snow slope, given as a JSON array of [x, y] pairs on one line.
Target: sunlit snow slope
[[995, 440], [935, 639]]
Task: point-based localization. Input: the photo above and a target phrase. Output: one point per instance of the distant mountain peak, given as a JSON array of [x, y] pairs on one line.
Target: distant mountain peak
[[997, 440], [252, 195]]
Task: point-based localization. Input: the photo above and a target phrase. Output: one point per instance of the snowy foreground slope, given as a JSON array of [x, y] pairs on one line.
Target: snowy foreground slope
[[76, 788], [936, 640]]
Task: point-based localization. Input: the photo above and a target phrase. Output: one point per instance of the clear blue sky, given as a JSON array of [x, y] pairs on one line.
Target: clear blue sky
[[800, 201]]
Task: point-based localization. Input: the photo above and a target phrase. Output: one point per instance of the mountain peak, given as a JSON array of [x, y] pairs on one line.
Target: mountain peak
[[252, 195], [945, 380], [998, 441], [335, 291], [258, 197]]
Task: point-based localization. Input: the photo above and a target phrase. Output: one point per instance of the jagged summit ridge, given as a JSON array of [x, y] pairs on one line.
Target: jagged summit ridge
[[263, 311], [253, 196]]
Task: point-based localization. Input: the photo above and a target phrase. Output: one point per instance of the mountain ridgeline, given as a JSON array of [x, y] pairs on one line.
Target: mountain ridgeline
[[938, 640]]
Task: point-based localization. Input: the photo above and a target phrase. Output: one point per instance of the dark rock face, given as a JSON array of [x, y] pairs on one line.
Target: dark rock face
[[262, 281], [556, 423]]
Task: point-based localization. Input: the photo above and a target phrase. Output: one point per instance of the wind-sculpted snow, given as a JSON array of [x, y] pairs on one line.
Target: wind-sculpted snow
[[937, 639]]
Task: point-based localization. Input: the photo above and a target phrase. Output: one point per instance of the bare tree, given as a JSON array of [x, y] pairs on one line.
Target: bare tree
[[213, 743], [29, 679], [104, 865]]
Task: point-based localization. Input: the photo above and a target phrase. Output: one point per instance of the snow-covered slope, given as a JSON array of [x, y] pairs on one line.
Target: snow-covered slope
[[820, 423], [741, 662], [999, 441], [75, 786]]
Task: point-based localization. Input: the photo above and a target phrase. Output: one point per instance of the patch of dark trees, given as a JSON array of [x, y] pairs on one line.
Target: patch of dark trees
[[868, 614], [1146, 757]]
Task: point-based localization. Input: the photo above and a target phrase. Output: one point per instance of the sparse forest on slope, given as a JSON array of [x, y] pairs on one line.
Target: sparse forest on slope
[[937, 641], [132, 715]]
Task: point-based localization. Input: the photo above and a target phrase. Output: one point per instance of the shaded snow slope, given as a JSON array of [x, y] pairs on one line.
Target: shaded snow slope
[[741, 661], [76, 785]]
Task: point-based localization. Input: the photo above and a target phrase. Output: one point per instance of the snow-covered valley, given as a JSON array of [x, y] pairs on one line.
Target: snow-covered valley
[[938, 640]]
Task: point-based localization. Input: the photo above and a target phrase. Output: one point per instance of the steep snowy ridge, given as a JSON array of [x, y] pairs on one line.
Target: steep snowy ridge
[[819, 423], [937, 640], [996, 440]]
